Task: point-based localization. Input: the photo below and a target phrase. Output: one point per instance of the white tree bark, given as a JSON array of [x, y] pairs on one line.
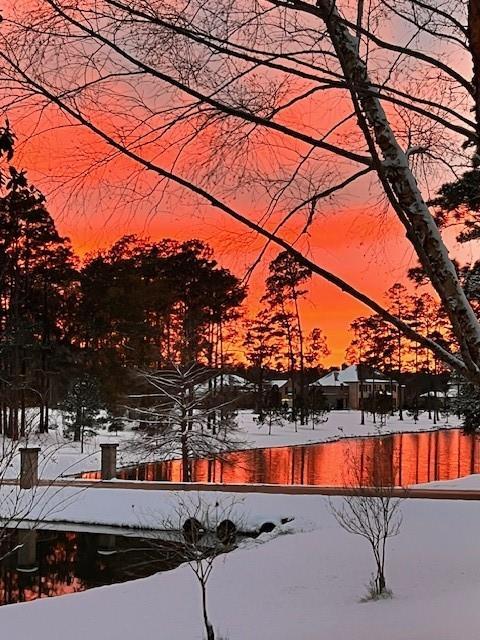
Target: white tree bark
[[396, 175]]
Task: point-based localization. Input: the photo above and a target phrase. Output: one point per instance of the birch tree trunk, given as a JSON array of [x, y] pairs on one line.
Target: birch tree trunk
[[401, 187]]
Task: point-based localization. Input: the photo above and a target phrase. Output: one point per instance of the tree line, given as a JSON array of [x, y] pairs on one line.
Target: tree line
[[276, 338], [378, 345], [400, 129], [137, 305]]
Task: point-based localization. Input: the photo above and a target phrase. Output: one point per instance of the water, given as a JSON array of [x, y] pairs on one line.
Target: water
[[60, 562], [402, 458]]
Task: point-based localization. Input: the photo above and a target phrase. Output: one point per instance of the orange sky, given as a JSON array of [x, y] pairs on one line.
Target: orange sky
[[351, 242], [352, 238]]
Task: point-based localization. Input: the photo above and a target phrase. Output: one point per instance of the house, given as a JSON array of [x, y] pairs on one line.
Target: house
[[233, 380], [230, 381], [345, 388], [334, 387], [284, 387], [434, 399]]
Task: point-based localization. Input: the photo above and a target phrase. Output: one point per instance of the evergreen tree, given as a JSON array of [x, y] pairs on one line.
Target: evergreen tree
[[148, 305], [467, 405], [260, 344], [36, 268], [83, 407], [285, 288]]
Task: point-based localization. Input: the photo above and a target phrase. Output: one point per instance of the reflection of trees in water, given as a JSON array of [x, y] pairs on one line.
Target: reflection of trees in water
[[402, 459], [69, 562]]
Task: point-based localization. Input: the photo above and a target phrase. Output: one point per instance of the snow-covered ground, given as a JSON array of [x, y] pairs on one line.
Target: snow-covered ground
[[63, 457], [146, 509], [339, 424], [304, 581], [304, 586], [467, 483]]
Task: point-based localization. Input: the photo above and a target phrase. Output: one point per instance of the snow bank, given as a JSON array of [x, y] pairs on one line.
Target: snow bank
[[146, 509], [339, 424]]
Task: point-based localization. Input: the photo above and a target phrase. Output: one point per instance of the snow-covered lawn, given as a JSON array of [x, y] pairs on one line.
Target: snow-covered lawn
[[63, 457], [467, 483], [142, 508], [339, 424], [298, 586], [304, 581]]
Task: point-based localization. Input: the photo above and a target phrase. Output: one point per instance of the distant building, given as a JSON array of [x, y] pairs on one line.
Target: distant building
[[285, 388], [344, 388], [234, 380], [231, 381]]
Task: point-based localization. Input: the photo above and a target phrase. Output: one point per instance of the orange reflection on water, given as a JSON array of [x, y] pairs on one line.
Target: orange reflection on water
[[401, 459]]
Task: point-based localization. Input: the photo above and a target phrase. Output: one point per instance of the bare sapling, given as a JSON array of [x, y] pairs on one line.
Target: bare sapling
[[175, 417], [371, 510], [207, 531]]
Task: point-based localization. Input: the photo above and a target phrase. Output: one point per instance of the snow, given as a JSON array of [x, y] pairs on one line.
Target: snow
[[305, 580], [339, 424], [343, 376], [306, 586], [147, 509], [277, 382], [467, 483], [229, 380]]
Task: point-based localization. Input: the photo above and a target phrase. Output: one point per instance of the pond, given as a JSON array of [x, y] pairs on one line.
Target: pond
[[402, 459], [54, 563]]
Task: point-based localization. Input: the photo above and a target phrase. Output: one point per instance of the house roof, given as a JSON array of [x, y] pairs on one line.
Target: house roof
[[229, 380], [234, 380], [344, 376], [279, 382], [451, 393]]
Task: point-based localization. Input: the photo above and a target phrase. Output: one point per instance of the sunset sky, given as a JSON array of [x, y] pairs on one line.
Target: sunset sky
[[352, 236], [353, 240]]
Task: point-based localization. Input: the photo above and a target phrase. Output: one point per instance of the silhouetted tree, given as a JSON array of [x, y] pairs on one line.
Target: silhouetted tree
[[284, 290]]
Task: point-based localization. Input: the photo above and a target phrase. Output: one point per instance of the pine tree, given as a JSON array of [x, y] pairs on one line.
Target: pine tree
[[261, 343], [83, 407], [36, 267], [284, 291]]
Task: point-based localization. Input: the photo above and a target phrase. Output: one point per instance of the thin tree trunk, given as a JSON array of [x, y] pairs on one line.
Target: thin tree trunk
[[400, 403], [208, 626], [302, 364], [474, 45], [260, 392], [77, 426], [185, 458]]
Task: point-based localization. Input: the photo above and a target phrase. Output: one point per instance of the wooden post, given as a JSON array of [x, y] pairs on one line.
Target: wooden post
[[109, 460], [27, 553], [29, 467]]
